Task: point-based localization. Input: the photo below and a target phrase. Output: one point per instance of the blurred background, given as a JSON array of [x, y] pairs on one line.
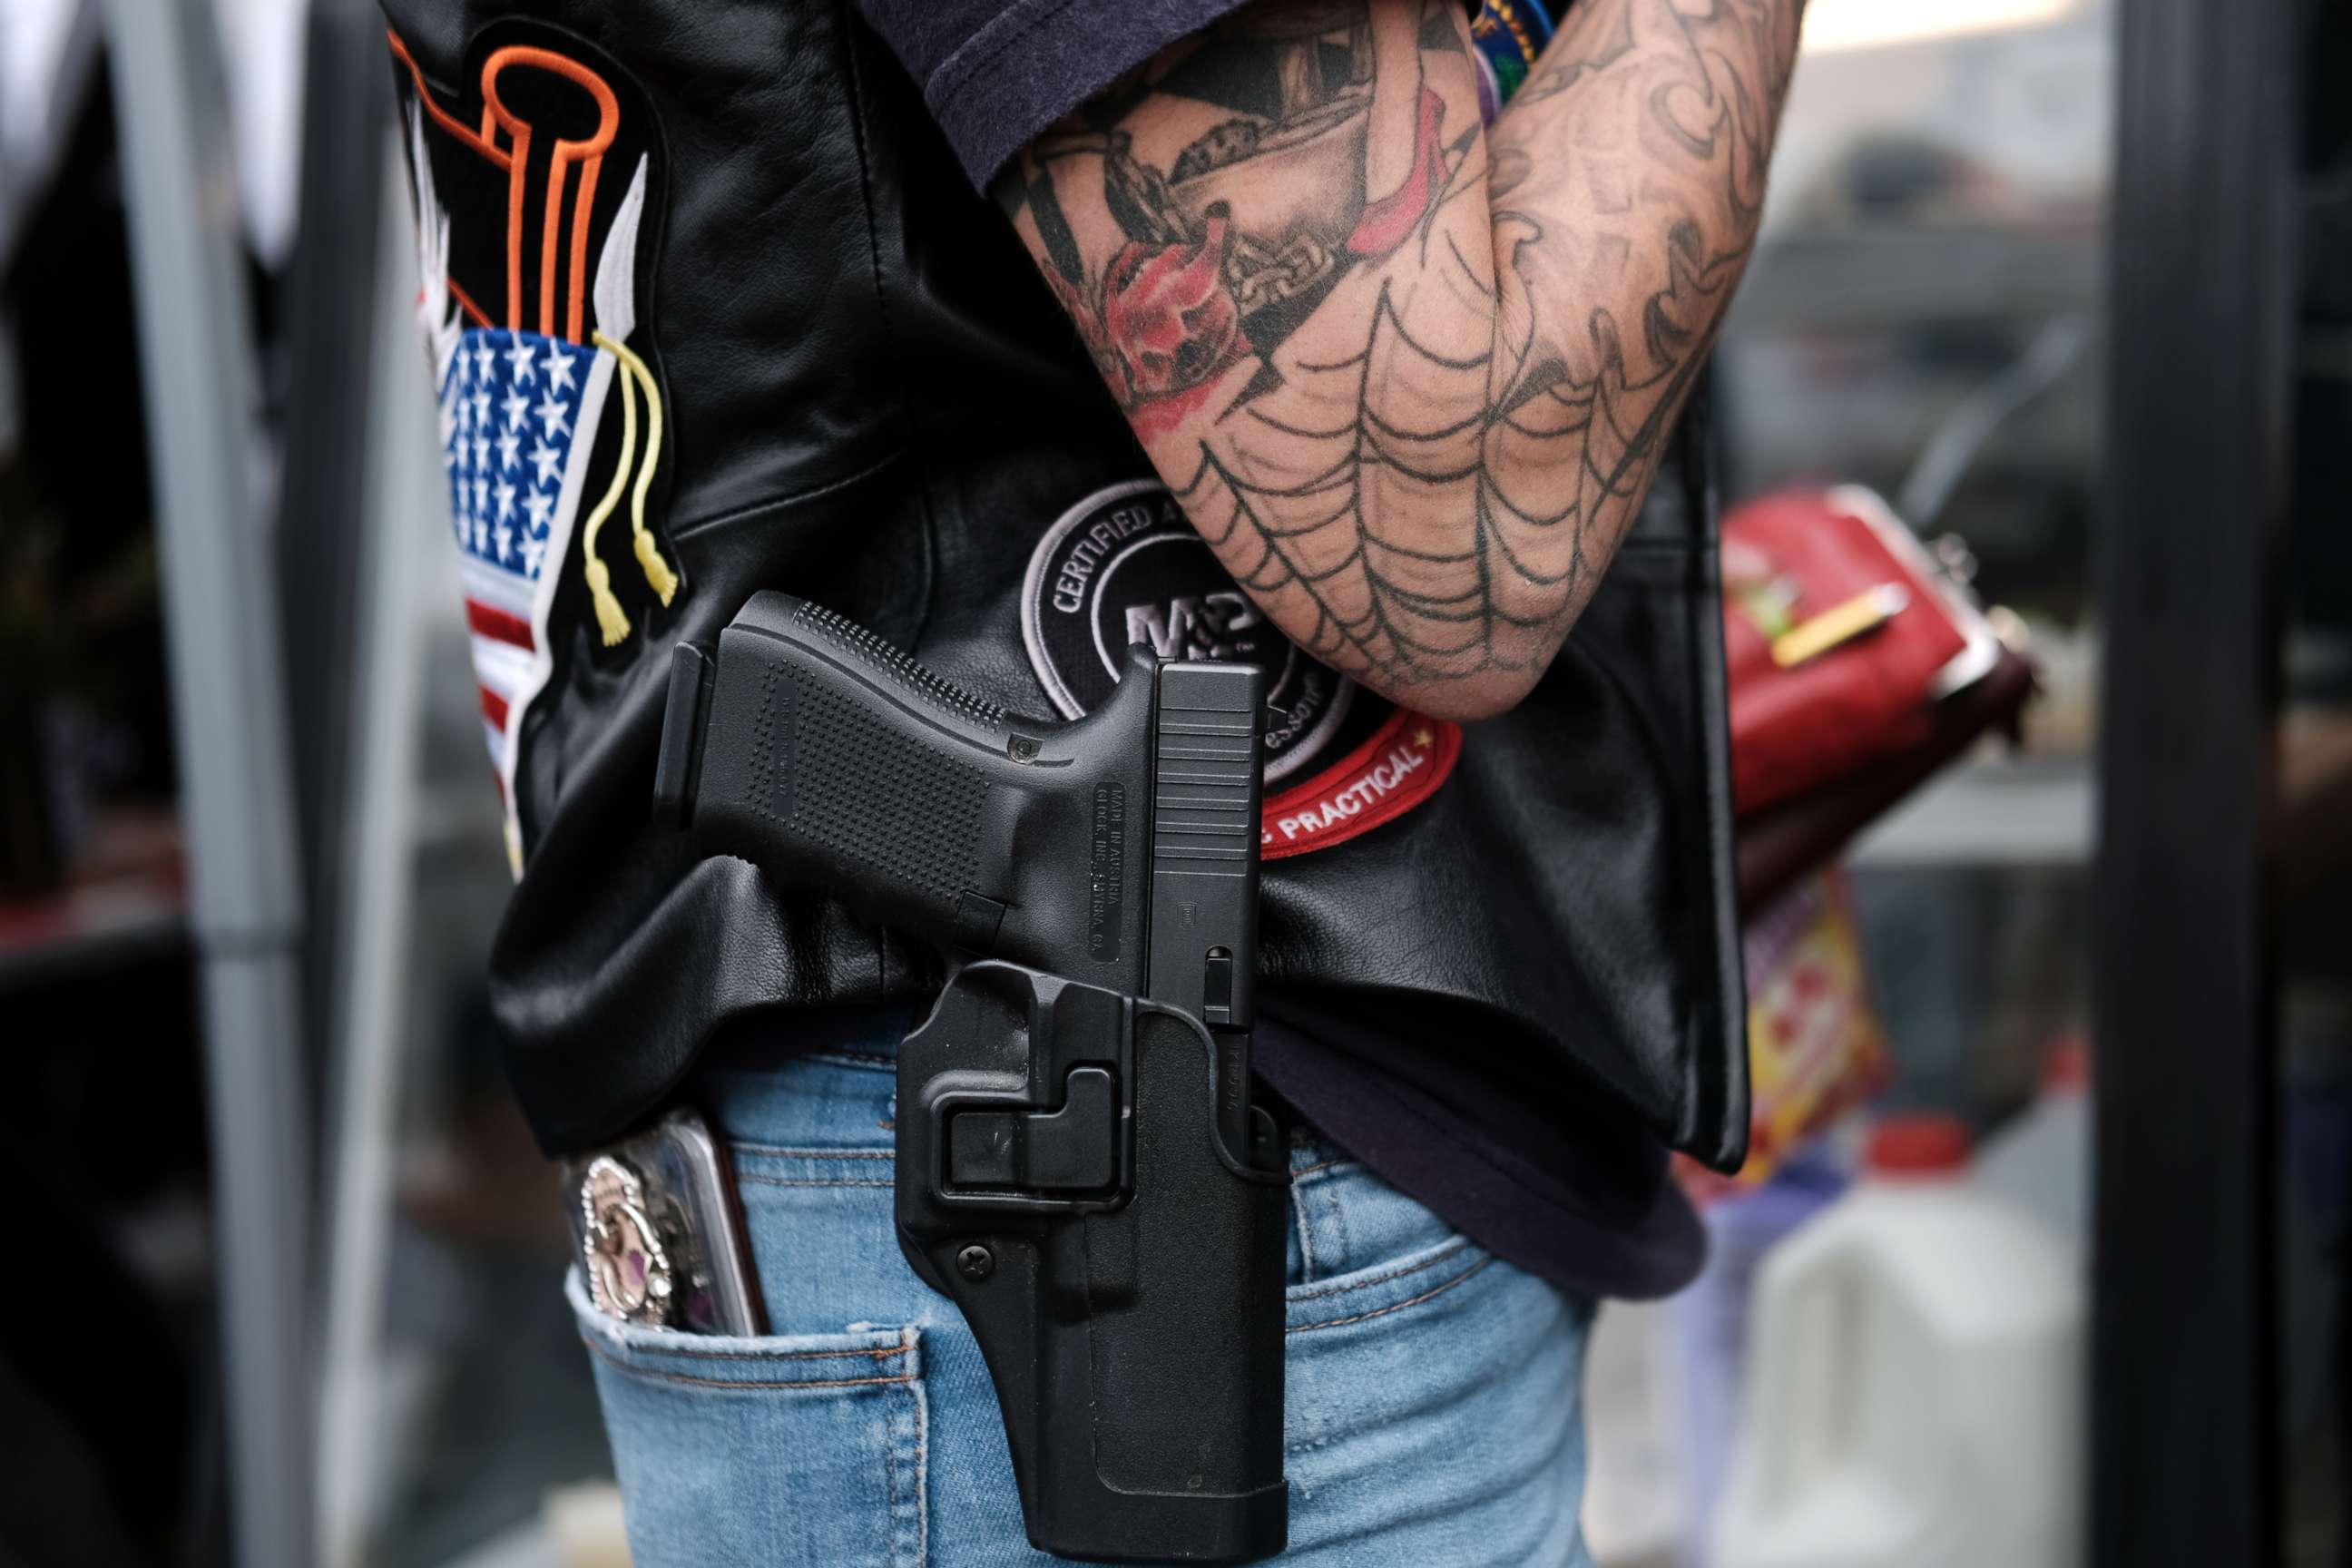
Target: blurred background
[[2066, 1005]]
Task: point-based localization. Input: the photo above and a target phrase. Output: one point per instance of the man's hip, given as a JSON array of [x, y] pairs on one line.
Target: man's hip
[[1434, 1402]]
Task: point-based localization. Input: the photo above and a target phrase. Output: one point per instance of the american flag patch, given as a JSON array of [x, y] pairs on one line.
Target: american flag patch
[[548, 158], [516, 424]]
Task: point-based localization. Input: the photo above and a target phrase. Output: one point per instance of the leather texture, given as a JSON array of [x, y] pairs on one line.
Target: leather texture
[[875, 404]]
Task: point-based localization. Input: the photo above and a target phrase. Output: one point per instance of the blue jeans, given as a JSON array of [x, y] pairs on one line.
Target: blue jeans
[[1434, 1414]]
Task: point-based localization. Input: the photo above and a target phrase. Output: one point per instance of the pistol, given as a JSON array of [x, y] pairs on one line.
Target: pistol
[[1080, 1165]]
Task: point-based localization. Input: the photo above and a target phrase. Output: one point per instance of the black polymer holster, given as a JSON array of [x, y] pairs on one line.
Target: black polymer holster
[[1080, 1165]]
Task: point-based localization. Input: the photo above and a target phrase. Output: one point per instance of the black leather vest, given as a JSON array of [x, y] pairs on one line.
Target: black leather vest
[[868, 398]]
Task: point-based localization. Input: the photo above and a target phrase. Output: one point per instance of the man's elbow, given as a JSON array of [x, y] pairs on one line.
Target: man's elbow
[[1485, 693]]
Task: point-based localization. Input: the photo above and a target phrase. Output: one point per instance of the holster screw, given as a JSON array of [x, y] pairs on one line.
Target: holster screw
[[975, 1262]]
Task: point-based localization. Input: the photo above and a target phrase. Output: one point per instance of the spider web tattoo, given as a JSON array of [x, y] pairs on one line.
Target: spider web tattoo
[[1410, 379]]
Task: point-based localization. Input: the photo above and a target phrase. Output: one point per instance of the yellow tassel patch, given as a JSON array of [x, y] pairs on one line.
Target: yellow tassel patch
[[659, 574], [609, 615], [600, 578]]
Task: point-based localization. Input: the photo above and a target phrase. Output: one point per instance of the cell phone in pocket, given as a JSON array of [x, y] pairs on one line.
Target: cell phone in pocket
[[659, 1233]]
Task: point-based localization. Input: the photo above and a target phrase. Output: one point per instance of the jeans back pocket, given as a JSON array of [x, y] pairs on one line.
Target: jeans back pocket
[[803, 1449]]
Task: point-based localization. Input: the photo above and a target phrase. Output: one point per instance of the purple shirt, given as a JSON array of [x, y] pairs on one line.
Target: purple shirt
[[997, 72]]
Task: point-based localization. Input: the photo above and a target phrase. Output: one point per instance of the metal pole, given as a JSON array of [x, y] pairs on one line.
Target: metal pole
[[386, 693], [2184, 1462], [328, 308], [221, 618]]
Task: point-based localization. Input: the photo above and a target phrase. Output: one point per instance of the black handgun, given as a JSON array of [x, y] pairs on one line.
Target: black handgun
[[1080, 1165]]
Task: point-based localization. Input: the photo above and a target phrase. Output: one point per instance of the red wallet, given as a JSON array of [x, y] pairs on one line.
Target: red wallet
[[1841, 634]]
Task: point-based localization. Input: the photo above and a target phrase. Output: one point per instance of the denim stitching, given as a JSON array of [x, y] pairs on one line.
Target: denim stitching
[[918, 1408], [1397, 1306], [1306, 1236], [657, 1374], [758, 1180], [890, 1475], [1447, 1250], [923, 1458], [1340, 1221], [780, 1152], [884, 1353], [894, 1443], [1336, 1160]]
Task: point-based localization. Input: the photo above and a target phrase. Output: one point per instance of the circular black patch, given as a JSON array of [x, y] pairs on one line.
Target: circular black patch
[[1125, 566]]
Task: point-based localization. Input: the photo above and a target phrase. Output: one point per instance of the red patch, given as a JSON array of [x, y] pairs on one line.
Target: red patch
[[1400, 766]]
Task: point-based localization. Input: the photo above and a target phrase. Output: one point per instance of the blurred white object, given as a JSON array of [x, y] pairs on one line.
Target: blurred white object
[[578, 1527], [261, 48], [1865, 24], [1913, 1395], [2040, 1164], [47, 52], [1712, 1321], [1633, 1484], [584, 1523]]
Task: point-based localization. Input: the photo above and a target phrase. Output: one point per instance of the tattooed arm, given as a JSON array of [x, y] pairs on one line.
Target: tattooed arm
[[1411, 379]]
